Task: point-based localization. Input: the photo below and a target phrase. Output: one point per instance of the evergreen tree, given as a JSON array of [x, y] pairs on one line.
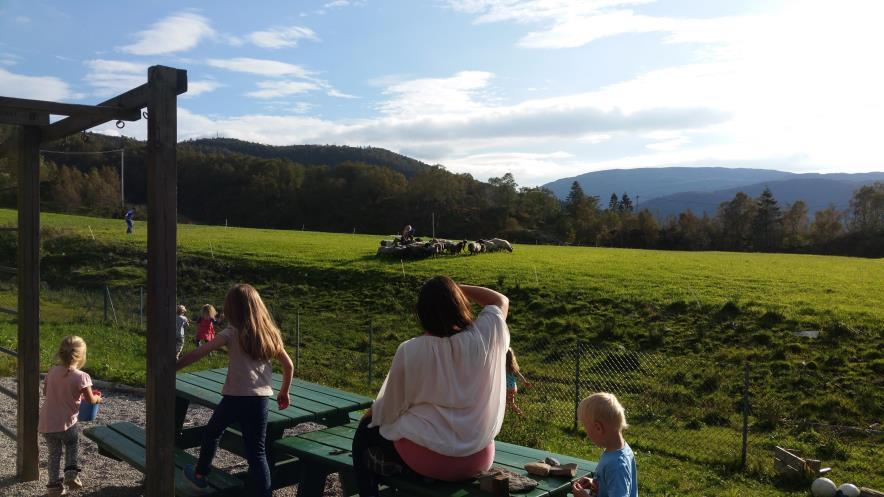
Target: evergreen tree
[[613, 203], [575, 198], [734, 220], [625, 203], [767, 225]]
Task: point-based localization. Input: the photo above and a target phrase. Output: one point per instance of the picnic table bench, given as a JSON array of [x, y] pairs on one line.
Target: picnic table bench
[[308, 402], [125, 442], [328, 451]]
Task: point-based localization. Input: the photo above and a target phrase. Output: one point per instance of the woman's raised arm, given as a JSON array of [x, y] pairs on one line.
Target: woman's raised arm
[[486, 296]]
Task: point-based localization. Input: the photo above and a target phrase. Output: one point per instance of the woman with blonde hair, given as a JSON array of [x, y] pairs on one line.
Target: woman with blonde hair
[[252, 341], [443, 400], [64, 387]]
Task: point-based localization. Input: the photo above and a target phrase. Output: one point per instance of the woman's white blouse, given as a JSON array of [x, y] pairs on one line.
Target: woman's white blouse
[[447, 394]]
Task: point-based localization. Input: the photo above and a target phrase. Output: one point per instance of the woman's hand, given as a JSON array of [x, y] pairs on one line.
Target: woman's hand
[[282, 400]]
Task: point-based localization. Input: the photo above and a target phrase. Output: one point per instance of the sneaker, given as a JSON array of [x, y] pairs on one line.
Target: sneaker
[[56, 490], [72, 480], [198, 482]]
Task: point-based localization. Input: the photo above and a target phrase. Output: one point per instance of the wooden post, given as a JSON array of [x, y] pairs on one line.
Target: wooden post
[[162, 205], [27, 453]]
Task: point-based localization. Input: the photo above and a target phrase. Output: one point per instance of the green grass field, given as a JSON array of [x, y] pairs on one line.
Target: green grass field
[[702, 315]]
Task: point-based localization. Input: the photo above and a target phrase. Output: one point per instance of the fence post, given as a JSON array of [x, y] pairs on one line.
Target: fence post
[[105, 303], [576, 382], [298, 342], [370, 347], [141, 307], [745, 414]]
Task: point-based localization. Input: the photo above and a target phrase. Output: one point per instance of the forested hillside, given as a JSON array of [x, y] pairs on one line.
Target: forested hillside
[[347, 189]]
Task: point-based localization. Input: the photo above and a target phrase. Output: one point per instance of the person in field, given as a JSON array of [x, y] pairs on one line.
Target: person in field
[[616, 475], [181, 323], [205, 325], [64, 387], [253, 341], [443, 400], [130, 221], [513, 374]]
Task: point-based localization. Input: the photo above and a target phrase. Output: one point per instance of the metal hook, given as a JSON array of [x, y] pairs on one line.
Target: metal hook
[[144, 114], [121, 124]]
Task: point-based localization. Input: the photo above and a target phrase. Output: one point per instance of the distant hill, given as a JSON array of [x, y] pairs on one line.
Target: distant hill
[[312, 155], [816, 190], [648, 183]]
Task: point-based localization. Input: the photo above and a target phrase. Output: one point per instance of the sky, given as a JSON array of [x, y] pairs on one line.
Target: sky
[[544, 89]]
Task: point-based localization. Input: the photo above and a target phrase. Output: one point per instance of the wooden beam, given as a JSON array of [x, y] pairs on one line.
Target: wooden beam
[[162, 131], [58, 108], [136, 98], [23, 117], [27, 453]]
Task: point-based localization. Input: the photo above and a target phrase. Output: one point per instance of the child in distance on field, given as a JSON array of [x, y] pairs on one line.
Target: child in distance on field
[[62, 388], [205, 331], [252, 341], [616, 475], [512, 371], [181, 322]]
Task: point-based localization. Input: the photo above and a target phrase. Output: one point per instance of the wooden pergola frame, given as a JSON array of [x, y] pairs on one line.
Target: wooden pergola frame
[[159, 95]]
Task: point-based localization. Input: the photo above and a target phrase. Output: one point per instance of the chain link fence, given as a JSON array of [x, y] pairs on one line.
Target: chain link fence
[[697, 409]]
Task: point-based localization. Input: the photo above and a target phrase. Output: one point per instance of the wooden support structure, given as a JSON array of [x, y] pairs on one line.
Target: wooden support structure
[[159, 95], [27, 452], [161, 283]]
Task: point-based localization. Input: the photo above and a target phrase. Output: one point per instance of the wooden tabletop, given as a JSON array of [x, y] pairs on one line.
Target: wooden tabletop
[[307, 401]]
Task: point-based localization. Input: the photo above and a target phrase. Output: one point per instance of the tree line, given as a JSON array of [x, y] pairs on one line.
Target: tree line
[[217, 186]]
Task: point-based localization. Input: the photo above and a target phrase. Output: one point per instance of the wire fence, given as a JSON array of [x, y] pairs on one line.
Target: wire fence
[[697, 409]]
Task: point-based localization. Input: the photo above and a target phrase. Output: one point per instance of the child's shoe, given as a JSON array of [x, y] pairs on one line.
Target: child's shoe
[[198, 482], [72, 480], [55, 490]]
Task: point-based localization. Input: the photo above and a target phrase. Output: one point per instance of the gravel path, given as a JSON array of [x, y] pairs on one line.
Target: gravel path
[[105, 477]]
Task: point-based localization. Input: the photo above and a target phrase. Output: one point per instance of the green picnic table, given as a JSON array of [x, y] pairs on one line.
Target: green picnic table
[[329, 451]]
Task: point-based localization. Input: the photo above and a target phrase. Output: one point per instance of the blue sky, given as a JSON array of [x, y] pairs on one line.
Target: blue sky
[[541, 88]]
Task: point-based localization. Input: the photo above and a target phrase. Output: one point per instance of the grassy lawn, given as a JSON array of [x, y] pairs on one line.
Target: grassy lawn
[[701, 316]]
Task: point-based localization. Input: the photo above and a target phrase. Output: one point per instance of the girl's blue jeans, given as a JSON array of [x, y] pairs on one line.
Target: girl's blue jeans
[[251, 415]]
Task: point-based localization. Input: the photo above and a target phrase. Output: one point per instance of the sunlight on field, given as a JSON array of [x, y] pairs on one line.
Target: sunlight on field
[[802, 287]]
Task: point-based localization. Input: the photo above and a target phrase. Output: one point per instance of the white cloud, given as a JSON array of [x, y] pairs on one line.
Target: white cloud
[[275, 89], [176, 33], [9, 59], [33, 87], [262, 67], [339, 94], [110, 77], [428, 96], [301, 107], [195, 88], [282, 37]]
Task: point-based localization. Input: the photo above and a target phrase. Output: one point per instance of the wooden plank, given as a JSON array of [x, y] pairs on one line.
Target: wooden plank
[[25, 105], [27, 453], [162, 193], [360, 401], [136, 98], [316, 402], [201, 391], [23, 117]]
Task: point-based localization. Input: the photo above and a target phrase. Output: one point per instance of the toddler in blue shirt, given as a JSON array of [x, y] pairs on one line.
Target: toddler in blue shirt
[[616, 475]]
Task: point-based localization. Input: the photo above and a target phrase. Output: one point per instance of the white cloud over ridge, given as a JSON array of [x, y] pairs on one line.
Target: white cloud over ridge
[[33, 87], [276, 89], [110, 77], [176, 33], [195, 88]]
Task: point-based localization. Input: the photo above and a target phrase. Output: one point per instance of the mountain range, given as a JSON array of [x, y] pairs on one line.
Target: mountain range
[[669, 190]]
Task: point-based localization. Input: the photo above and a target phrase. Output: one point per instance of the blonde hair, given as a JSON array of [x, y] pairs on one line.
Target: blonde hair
[[208, 311], [72, 352], [257, 334], [604, 408], [511, 363], [181, 309]]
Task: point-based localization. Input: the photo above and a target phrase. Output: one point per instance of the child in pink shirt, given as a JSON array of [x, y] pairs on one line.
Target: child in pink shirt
[[62, 388]]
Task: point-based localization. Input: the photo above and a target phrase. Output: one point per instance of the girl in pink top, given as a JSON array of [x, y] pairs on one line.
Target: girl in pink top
[[443, 400], [63, 387], [252, 341]]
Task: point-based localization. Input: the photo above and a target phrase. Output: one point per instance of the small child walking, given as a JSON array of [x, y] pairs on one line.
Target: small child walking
[[181, 322], [616, 475], [62, 388], [205, 331], [512, 371], [252, 341]]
